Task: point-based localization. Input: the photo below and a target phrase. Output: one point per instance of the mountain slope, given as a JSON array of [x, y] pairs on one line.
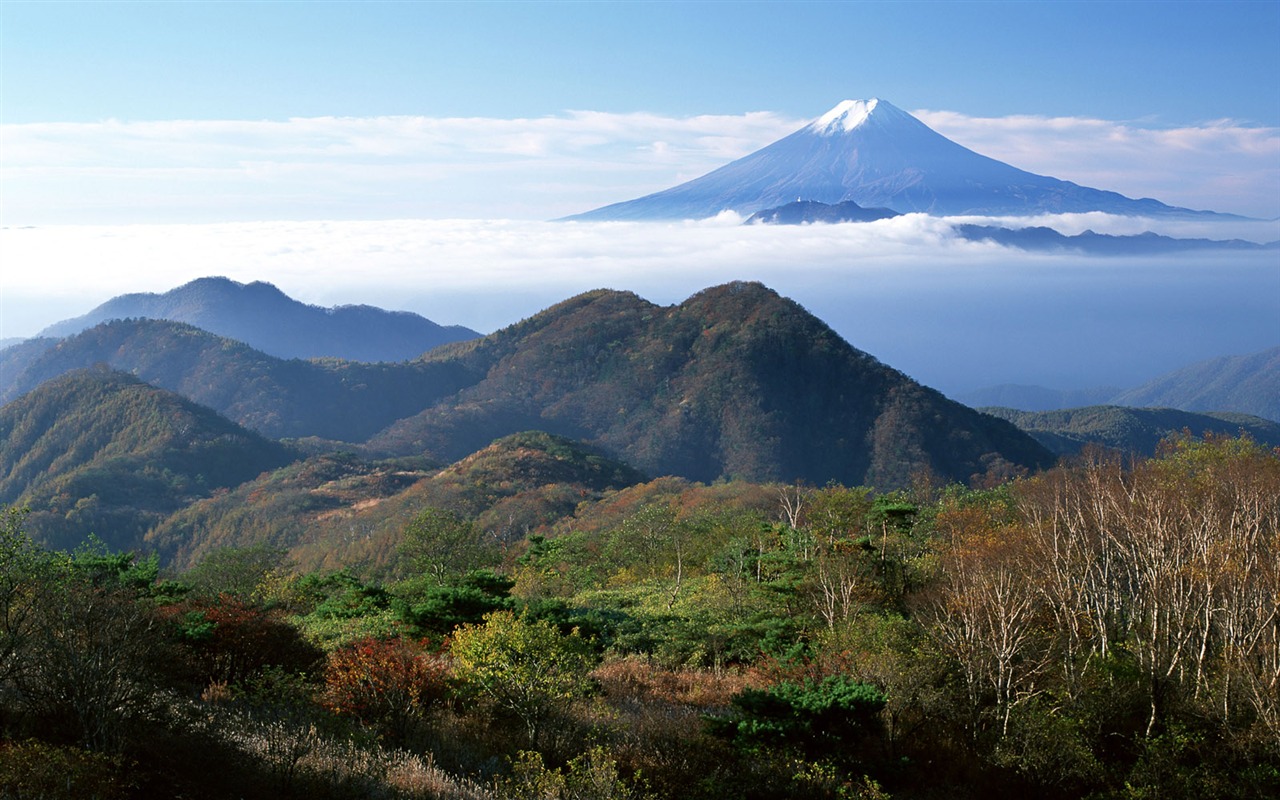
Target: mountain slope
[[1248, 384], [98, 451], [874, 154], [266, 319], [734, 382], [334, 511], [1131, 430], [348, 401]]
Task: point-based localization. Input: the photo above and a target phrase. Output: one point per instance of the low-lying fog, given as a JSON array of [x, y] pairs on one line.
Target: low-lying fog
[[954, 314]]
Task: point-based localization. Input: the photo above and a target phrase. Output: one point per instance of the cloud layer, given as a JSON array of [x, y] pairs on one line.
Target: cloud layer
[[543, 168], [955, 314]]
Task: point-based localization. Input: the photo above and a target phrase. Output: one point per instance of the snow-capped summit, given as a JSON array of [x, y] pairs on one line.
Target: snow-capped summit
[[846, 116], [875, 154]]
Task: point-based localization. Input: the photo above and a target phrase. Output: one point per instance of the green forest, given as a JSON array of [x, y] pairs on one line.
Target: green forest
[[1106, 628]]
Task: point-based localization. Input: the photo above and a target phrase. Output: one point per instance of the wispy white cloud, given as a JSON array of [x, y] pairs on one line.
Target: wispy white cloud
[[1220, 165], [362, 168], [541, 168]]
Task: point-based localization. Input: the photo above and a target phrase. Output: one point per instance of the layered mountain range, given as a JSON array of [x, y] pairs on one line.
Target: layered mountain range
[[879, 156], [159, 435], [99, 451], [734, 382]]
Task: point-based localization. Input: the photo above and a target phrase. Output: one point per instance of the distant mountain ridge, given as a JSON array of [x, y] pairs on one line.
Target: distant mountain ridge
[[803, 212], [1249, 384], [1131, 430], [1245, 384], [1038, 238], [1022, 397], [1033, 238], [876, 155], [267, 319]]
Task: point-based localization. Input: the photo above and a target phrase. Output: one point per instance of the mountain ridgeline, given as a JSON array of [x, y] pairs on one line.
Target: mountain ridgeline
[[343, 400], [266, 319], [1031, 238], [734, 382], [1248, 383]]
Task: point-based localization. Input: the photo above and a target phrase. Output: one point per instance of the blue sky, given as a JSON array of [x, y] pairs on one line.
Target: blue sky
[[141, 112], [1172, 63], [408, 154]]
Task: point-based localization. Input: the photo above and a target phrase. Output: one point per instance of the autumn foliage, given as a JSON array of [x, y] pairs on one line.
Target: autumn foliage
[[386, 683], [1106, 629], [228, 639]]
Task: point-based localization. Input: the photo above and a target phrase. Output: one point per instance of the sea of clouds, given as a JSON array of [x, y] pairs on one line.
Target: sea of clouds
[[952, 313]]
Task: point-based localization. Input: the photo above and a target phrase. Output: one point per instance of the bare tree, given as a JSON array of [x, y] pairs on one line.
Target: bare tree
[[985, 612]]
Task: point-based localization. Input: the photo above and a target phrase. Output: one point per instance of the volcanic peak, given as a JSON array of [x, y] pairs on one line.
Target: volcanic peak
[[847, 115]]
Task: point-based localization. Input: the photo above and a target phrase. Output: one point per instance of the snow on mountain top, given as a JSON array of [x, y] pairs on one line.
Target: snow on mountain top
[[846, 116]]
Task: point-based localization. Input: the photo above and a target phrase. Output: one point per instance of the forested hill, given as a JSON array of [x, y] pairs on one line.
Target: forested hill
[[336, 511], [1249, 384], [347, 401], [734, 382], [97, 451], [1132, 430], [266, 319]]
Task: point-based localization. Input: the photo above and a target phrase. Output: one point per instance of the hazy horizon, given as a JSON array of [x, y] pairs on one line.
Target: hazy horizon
[[953, 314], [407, 155]]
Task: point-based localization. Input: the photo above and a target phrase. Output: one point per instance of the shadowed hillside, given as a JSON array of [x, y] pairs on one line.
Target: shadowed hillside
[[734, 382], [101, 452], [347, 401]]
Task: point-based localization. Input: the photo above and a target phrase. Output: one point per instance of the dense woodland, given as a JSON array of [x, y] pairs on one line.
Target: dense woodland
[[1107, 628], [618, 550]]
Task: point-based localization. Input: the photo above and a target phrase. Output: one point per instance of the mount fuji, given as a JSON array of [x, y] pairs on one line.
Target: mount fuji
[[875, 154]]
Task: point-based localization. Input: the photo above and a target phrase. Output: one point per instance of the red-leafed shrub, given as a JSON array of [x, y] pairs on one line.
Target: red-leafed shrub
[[387, 683], [227, 640]]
